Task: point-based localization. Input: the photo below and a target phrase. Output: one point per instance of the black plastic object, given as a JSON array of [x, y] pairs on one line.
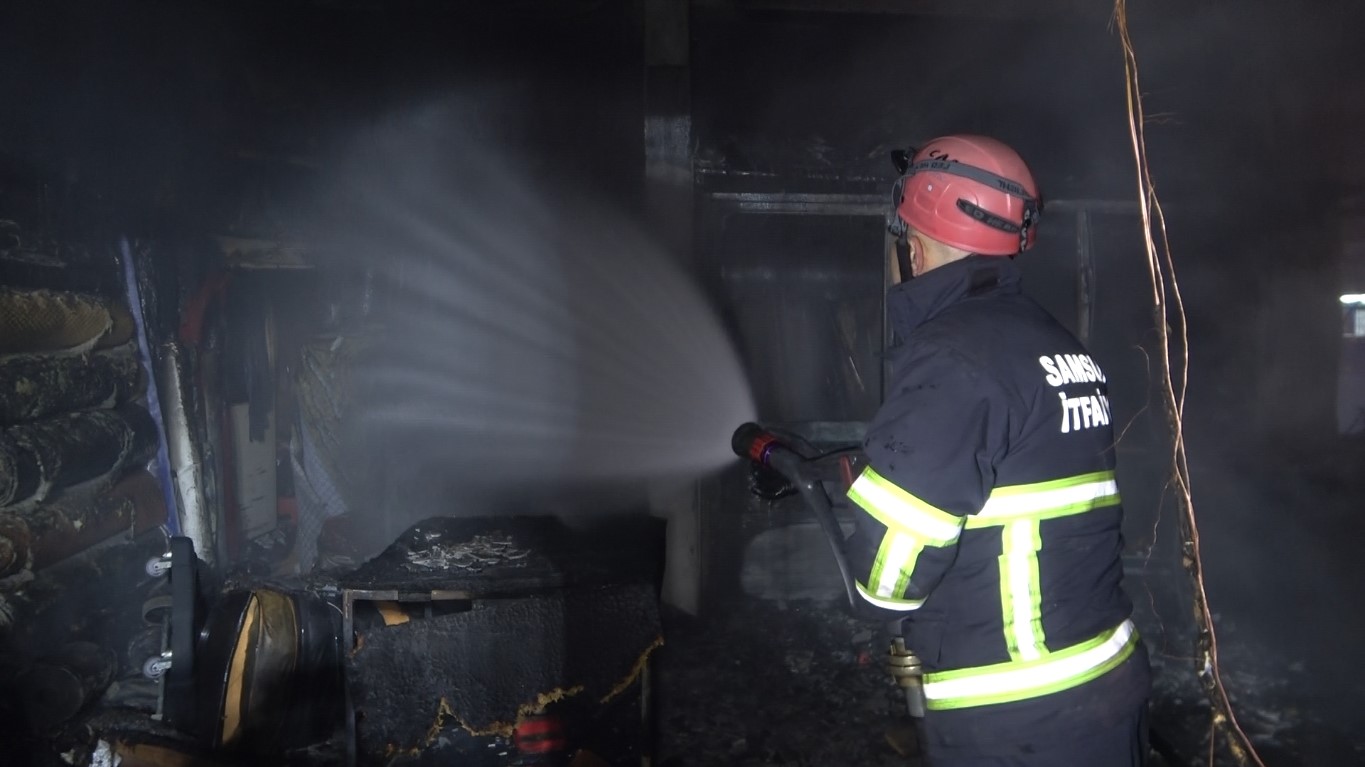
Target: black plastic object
[[186, 617], [267, 672], [763, 447]]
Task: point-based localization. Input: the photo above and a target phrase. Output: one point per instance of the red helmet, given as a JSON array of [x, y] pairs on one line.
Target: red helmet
[[970, 192]]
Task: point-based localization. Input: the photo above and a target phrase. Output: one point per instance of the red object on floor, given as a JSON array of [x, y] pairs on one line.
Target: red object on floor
[[539, 735]]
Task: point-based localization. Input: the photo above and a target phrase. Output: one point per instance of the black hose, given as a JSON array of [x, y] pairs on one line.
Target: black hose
[[818, 500]]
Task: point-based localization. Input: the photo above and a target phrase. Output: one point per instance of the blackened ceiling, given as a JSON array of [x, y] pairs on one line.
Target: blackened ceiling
[[170, 106], [163, 106]]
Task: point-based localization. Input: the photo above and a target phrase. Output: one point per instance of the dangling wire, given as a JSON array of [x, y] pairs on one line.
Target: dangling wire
[[1173, 364]]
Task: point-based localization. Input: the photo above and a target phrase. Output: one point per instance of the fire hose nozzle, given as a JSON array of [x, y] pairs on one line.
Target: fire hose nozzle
[[753, 442], [778, 468], [766, 448]]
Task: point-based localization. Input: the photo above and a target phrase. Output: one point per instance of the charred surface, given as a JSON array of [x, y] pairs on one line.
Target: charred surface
[[764, 684], [514, 556], [498, 620]]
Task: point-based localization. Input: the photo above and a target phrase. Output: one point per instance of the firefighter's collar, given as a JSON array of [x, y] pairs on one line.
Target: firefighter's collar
[[914, 302]]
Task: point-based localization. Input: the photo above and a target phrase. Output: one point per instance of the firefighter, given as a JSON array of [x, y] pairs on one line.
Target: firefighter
[[989, 514]]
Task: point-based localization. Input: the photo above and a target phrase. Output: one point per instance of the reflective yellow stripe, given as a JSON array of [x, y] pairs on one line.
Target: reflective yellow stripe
[[1047, 500], [911, 524], [1020, 680], [1018, 510], [895, 561], [898, 509], [1020, 594], [902, 605]]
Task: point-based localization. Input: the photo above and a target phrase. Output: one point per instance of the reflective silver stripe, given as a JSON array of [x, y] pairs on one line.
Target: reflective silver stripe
[[902, 605], [896, 508], [1020, 590], [1019, 680]]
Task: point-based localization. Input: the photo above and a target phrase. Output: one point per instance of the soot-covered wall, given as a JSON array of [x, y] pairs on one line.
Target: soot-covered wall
[[1251, 112], [183, 116], [176, 118]]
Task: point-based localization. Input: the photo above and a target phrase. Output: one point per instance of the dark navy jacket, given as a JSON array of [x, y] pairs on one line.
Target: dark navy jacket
[[995, 421]]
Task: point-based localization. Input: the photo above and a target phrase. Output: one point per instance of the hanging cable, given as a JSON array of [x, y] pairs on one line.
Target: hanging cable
[[1173, 367]]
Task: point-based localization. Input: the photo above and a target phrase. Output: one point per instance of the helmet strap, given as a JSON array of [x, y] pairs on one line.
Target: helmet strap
[[988, 218], [897, 226], [979, 175]]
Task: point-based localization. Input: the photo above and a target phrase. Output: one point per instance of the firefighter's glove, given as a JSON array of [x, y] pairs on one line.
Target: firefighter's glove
[[768, 483]]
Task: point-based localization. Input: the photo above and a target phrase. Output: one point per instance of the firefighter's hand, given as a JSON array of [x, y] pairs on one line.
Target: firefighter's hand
[[767, 483]]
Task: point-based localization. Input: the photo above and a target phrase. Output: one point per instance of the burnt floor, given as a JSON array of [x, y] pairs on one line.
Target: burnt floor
[[764, 684], [799, 683]]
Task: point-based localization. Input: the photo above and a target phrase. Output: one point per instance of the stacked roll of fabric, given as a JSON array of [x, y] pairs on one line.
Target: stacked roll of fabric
[[73, 434], [79, 512]]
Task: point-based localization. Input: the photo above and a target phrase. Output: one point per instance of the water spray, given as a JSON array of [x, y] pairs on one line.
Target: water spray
[[525, 338]]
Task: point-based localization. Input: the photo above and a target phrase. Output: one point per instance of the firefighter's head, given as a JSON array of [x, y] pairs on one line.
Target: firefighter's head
[[961, 195]]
